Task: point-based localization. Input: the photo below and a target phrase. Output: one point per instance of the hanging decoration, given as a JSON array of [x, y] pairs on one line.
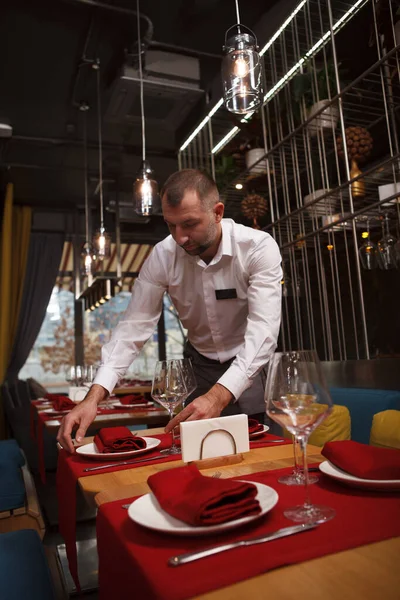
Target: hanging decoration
[[88, 254], [241, 69], [145, 188], [254, 206], [359, 146], [101, 239]]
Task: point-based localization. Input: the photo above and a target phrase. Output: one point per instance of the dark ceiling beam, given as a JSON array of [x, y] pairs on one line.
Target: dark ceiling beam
[[182, 50], [149, 34], [127, 149], [113, 7]]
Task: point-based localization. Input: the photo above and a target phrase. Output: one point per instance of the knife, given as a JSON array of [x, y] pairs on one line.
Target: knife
[[125, 462], [182, 559]]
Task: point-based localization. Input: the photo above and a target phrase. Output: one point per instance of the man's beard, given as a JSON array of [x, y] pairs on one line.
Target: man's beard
[[201, 248]]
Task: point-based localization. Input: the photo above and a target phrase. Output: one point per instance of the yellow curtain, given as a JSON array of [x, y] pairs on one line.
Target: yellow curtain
[[15, 235]]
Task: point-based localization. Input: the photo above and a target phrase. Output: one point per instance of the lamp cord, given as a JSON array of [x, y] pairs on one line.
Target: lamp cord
[[237, 12], [100, 145], [141, 82], [84, 110]]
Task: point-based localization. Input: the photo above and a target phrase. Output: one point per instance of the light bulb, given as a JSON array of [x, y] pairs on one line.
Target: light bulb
[[88, 264], [240, 67], [102, 242], [239, 186]]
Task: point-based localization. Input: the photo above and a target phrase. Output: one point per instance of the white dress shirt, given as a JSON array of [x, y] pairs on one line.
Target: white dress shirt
[[246, 327]]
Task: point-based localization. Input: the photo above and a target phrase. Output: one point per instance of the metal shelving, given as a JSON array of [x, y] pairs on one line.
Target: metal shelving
[[315, 212]]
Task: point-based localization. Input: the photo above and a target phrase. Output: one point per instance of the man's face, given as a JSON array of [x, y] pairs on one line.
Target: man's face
[[194, 227]]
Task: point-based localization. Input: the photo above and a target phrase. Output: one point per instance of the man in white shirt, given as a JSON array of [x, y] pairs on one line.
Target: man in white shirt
[[225, 282]]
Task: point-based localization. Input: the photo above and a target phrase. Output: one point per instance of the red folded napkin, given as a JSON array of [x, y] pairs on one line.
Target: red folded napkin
[[117, 439], [132, 399], [361, 460], [60, 402], [255, 426], [186, 494]]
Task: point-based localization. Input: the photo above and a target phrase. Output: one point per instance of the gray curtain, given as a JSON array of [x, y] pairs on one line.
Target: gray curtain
[[45, 251]]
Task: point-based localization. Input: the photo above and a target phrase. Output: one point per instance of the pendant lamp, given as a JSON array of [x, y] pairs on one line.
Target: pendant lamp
[[88, 254], [101, 239], [241, 69], [145, 188]]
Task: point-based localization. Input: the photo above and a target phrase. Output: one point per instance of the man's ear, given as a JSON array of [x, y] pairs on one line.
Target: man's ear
[[219, 209]]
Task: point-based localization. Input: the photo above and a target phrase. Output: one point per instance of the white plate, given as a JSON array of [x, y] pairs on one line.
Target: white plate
[[257, 434], [146, 511], [142, 404], [370, 484], [91, 451]]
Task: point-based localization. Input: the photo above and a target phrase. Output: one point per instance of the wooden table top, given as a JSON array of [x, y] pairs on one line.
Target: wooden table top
[[369, 572], [133, 389], [155, 418], [105, 487]]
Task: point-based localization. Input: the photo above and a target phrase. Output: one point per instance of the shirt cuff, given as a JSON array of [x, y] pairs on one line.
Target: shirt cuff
[[235, 381], [107, 378]]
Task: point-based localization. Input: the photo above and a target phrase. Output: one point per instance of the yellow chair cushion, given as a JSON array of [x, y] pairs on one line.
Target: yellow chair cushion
[[337, 426], [385, 430]]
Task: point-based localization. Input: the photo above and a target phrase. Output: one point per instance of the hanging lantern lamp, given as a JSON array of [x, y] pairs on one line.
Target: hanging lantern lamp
[[145, 189], [241, 69], [101, 239], [88, 254]]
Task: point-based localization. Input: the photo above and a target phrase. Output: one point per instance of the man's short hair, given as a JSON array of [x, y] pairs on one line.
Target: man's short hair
[[194, 180]]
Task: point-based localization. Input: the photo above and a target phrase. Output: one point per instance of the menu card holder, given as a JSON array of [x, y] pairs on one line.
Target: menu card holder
[[77, 393], [213, 442]]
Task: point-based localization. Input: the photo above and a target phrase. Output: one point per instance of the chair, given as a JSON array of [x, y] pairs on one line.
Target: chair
[[17, 410], [385, 430], [24, 570]]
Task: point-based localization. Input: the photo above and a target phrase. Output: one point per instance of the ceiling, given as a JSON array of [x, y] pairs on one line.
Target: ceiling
[[50, 44]]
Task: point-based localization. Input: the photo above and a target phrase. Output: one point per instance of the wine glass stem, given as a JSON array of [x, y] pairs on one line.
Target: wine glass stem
[[297, 467], [171, 416], [303, 447]]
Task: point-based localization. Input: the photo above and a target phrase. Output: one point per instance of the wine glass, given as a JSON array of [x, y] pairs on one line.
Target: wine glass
[[70, 375], [189, 376], [387, 258], [297, 398], [297, 476], [169, 389], [368, 252]]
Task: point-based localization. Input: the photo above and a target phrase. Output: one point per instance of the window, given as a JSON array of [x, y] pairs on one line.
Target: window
[[54, 349]]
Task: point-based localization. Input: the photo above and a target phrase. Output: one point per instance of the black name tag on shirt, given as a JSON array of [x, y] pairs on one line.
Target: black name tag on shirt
[[225, 294]]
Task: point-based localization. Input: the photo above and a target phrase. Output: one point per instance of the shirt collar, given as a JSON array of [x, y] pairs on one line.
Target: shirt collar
[[225, 247]]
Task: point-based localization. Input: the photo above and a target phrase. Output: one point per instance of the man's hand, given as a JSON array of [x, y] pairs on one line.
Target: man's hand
[[204, 407], [81, 416]]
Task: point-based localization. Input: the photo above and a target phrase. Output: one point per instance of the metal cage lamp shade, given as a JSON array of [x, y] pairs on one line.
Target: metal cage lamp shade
[[145, 191], [241, 71]]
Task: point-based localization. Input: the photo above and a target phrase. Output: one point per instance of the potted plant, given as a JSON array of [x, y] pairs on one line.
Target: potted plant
[[304, 84], [225, 170], [252, 144]]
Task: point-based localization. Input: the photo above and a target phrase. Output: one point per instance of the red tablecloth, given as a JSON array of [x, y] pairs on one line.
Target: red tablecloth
[[69, 469], [43, 417], [134, 558]]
